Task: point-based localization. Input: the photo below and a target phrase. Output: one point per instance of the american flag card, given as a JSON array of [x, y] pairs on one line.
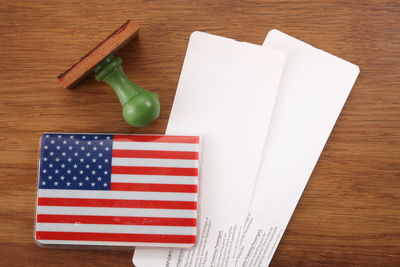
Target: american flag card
[[117, 190]]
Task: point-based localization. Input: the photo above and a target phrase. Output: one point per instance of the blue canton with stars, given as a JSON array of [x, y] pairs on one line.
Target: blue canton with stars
[[75, 161]]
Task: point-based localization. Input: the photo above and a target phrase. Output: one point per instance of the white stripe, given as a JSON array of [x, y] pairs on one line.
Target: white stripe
[[153, 179], [98, 194], [118, 229], [129, 212], [155, 146], [106, 243], [173, 163]]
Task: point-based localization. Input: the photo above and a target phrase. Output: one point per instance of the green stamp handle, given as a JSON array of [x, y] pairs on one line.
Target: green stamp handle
[[140, 107]]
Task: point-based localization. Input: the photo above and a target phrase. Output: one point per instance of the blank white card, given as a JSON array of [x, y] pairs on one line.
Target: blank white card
[[312, 92], [225, 94]]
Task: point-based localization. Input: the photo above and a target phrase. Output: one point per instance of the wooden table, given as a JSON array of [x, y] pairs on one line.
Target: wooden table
[[349, 214]]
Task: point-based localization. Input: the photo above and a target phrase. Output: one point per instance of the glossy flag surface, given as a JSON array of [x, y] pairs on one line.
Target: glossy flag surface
[[117, 190]]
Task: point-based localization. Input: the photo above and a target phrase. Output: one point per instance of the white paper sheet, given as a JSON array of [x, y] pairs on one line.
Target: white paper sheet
[[225, 94], [313, 90]]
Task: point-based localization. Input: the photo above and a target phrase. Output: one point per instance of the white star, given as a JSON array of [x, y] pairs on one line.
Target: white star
[[93, 172], [59, 136], [76, 142], [44, 171], [71, 136], [63, 153], [89, 143], [50, 177], [75, 166], [99, 178], [108, 137], [81, 159], [44, 159], [57, 159], [68, 183], [81, 172], [43, 183], [107, 148], [55, 183], [69, 159], [51, 153], [88, 154], [106, 160], [52, 141], [80, 184], [70, 147], [105, 184], [76, 154], [94, 160], [51, 165], [96, 137], [87, 178], [93, 184], [101, 143], [46, 147], [47, 136], [105, 172], [94, 148], [74, 178], [87, 166], [65, 142], [58, 147], [82, 148], [56, 171], [100, 154], [63, 165], [83, 137], [69, 171], [99, 166], [62, 177]]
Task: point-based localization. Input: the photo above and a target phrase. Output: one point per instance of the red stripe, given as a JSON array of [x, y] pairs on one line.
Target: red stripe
[[117, 203], [113, 237], [182, 188], [86, 219], [158, 138], [155, 154], [154, 171]]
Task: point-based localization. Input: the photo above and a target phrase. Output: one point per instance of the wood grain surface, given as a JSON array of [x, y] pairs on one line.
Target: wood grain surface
[[349, 214]]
